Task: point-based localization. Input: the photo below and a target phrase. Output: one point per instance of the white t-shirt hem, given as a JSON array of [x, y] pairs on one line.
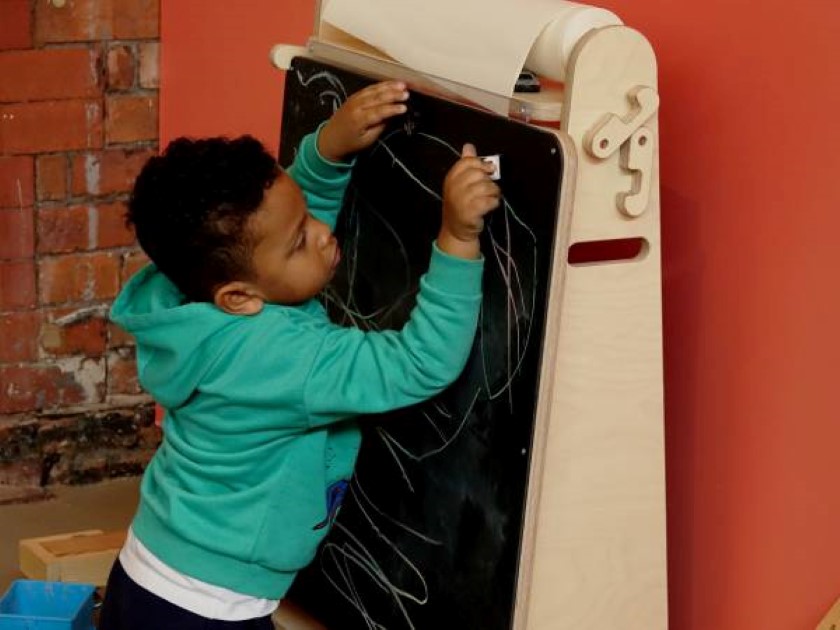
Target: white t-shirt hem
[[201, 598]]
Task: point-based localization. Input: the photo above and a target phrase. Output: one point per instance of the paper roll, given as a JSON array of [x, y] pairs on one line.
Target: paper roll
[[480, 43], [549, 56]]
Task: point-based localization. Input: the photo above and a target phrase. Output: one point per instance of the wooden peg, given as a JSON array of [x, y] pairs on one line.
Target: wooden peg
[[613, 131], [637, 157]]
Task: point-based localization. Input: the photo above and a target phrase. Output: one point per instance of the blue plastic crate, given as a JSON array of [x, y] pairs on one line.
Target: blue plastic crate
[[39, 605]]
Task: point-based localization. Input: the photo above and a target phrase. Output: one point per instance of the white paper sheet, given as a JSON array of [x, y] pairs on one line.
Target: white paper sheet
[[481, 43]]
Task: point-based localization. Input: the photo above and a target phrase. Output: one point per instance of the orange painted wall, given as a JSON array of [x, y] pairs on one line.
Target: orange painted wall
[[216, 78], [751, 224]]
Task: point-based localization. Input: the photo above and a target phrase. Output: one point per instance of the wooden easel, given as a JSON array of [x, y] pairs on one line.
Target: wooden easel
[[594, 550], [831, 621]]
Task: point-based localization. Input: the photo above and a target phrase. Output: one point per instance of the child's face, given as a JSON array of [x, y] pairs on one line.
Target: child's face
[[295, 255]]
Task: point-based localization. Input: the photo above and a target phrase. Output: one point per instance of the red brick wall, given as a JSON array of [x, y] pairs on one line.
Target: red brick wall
[[78, 118]]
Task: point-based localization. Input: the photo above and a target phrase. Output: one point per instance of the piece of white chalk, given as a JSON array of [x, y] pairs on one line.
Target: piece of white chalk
[[494, 160]]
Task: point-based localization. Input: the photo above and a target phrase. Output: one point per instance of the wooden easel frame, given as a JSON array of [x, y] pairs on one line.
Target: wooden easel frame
[[594, 545], [593, 551]]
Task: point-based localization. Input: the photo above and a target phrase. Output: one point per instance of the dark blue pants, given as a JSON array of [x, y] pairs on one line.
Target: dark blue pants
[[129, 606]]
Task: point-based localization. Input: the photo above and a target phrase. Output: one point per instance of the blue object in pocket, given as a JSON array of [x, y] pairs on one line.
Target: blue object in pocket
[[335, 496]]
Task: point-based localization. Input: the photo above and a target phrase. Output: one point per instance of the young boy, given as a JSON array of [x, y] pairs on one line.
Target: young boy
[[259, 387]]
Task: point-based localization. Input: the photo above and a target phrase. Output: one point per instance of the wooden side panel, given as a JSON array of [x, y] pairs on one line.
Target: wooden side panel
[[598, 545]]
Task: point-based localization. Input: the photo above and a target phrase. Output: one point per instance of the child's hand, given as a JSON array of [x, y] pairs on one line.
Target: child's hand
[[468, 194], [360, 120]]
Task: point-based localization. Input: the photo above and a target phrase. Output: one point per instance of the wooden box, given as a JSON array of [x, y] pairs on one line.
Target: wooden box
[[85, 556]]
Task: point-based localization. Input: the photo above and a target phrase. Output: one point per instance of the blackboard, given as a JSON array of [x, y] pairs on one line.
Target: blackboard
[[430, 530]]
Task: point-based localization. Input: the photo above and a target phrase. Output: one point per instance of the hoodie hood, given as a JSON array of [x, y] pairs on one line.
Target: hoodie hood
[[173, 337]]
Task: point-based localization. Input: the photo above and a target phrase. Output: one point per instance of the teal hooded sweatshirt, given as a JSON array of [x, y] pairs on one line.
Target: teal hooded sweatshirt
[[258, 426]]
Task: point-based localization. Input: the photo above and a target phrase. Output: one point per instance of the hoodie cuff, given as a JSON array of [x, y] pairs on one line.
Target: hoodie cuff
[[317, 164], [455, 275]]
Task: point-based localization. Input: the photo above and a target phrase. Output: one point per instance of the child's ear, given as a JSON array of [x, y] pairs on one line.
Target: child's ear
[[238, 298]]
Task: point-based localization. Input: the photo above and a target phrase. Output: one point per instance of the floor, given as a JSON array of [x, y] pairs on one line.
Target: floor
[[107, 506]]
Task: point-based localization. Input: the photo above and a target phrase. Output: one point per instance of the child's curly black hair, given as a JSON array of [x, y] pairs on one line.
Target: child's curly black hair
[[190, 207]]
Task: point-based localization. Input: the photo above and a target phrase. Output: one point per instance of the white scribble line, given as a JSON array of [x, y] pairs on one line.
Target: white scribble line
[[512, 372], [419, 599], [521, 353], [329, 77], [483, 356], [335, 552], [434, 426], [408, 172], [428, 454], [335, 97], [352, 255], [503, 270], [356, 486], [440, 141], [510, 213], [512, 311], [441, 409], [358, 554], [387, 439], [354, 260], [403, 252]]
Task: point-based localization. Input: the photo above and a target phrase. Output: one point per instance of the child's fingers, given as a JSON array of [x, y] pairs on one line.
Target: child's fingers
[[381, 93], [372, 90], [472, 162], [476, 200], [468, 164], [484, 188], [373, 117], [482, 202], [483, 205], [470, 171], [386, 86]]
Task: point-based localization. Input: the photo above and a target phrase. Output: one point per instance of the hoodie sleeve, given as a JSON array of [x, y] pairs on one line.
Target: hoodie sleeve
[[322, 181], [356, 372]]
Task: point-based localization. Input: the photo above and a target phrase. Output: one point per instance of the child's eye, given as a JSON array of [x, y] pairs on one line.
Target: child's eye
[[301, 240]]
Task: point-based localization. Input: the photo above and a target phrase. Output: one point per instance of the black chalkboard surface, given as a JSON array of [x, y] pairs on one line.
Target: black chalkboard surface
[[429, 533]]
